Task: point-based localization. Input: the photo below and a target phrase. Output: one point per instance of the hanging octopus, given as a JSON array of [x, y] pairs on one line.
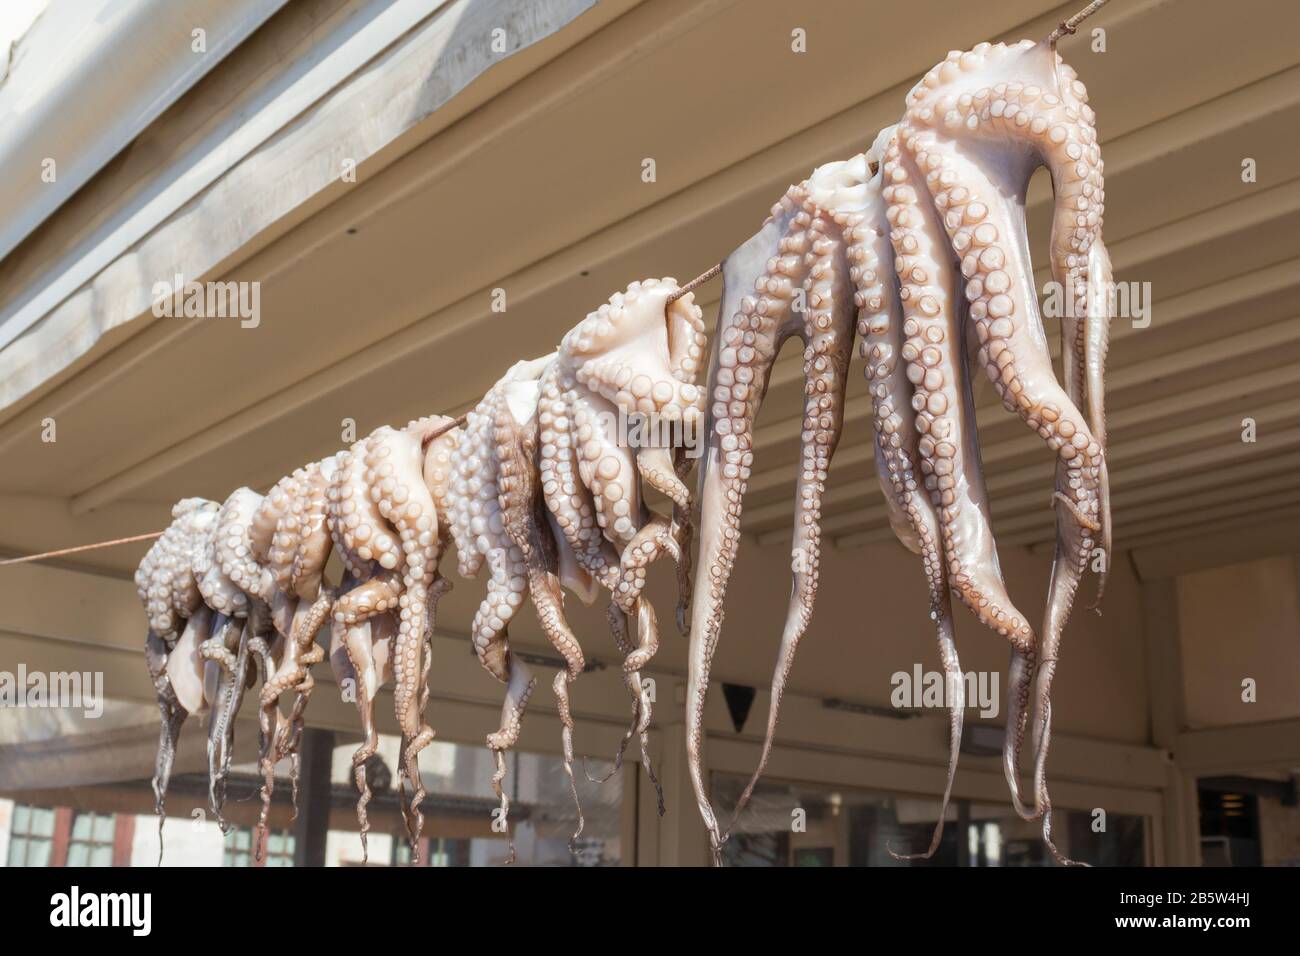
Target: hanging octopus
[[240, 590], [179, 622], [289, 537], [477, 483], [927, 235], [631, 362], [360, 656], [482, 477], [199, 643], [549, 432], [382, 520], [250, 572]]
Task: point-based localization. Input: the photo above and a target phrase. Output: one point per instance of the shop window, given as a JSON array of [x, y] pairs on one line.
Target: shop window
[[109, 819], [238, 850], [31, 836], [1250, 820], [91, 840], [279, 848], [458, 810], [441, 851], [802, 825]]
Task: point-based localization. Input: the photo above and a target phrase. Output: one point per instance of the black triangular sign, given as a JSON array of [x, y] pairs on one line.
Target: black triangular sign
[[740, 697]]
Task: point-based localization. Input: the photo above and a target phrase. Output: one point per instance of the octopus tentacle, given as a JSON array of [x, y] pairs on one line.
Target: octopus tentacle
[[746, 345], [262, 656], [568, 500], [382, 520], [897, 458], [642, 708], [394, 475], [297, 559], [647, 632], [1067, 570], [1015, 354], [437, 590], [172, 716], [519, 687], [621, 362], [515, 438], [948, 447], [1043, 107], [232, 637], [310, 509], [374, 596], [166, 578], [486, 477], [572, 510], [439, 438], [955, 694], [186, 667], [654, 539], [361, 652], [479, 530], [827, 331], [231, 547], [617, 619], [607, 469], [238, 582], [1004, 307], [360, 531], [913, 515], [492, 644], [1097, 343], [233, 584], [655, 465], [178, 623], [684, 536], [301, 652]]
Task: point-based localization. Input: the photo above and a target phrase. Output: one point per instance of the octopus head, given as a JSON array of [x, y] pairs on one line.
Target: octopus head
[[642, 352], [851, 185]]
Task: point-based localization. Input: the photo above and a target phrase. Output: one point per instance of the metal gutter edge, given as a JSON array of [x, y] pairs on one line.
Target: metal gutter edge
[[72, 97]]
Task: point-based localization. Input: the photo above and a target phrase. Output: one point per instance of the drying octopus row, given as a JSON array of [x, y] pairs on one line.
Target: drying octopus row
[[538, 484], [920, 246]]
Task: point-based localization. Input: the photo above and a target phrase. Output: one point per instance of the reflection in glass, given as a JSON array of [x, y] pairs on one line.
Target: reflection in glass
[[114, 819], [805, 825], [458, 811]]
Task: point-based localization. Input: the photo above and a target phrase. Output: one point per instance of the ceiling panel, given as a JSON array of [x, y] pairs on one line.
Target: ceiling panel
[[378, 311]]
